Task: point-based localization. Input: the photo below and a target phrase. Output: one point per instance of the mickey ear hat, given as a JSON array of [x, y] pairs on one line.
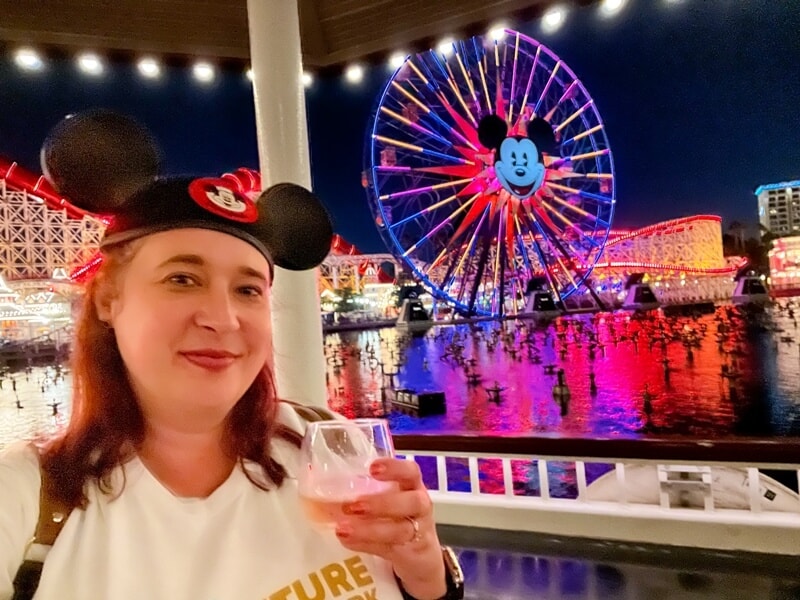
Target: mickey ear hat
[[107, 164]]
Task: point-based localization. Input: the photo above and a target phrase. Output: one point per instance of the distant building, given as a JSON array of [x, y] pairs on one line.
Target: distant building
[[779, 207], [784, 266]]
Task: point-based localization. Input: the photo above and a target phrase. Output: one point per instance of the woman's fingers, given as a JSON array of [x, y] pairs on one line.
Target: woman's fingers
[[383, 534], [391, 505], [405, 472]]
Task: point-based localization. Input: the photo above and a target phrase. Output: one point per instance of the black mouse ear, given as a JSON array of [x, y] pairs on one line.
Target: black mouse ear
[[492, 131], [541, 133], [98, 159], [294, 226]]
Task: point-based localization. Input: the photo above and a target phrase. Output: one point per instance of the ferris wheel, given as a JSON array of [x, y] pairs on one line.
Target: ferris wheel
[[487, 166]]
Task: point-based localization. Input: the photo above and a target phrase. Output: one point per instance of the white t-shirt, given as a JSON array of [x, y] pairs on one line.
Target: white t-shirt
[[240, 543]]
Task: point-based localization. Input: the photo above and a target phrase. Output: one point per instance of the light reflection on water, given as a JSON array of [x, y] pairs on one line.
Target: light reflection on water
[[760, 396], [625, 354]]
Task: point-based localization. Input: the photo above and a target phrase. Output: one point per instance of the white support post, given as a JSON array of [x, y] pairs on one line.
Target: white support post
[[441, 472], [580, 476], [619, 469], [474, 475], [753, 481], [508, 479], [544, 479], [279, 95]]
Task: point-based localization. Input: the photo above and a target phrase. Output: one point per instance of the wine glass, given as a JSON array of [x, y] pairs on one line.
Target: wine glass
[[335, 460]]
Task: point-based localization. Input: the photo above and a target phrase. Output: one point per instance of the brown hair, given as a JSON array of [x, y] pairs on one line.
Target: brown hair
[[107, 426]]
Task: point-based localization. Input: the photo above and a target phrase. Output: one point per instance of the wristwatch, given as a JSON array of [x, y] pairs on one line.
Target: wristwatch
[[454, 578]]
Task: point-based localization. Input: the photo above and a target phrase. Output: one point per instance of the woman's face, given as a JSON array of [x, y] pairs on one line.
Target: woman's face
[[191, 315]]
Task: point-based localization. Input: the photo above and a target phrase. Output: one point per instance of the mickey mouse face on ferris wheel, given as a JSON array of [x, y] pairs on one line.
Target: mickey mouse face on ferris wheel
[[518, 162], [107, 164]]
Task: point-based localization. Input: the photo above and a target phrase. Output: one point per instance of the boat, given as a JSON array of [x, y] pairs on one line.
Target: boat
[[639, 296], [539, 302], [750, 290], [691, 487], [413, 316]]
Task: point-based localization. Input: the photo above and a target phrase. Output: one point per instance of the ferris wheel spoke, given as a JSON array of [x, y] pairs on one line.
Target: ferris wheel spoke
[[583, 194], [467, 79], [468, 250], [513, 82], [530, 81], [572, 225], [449, 171], [448, 77], [438, 227], [557, 232], [451, 81], [429, 209], [548, 274], [577, 175], [415, 126], [577, 209], [428, 112], [574, 116], [481, 269], [497, 255], [420, 150], [421, 190], [537, 233], [583, 134], [481, 202], [546, 88], [486, 95], [521, 245], [554, 248], [587, 155], [567, 94]]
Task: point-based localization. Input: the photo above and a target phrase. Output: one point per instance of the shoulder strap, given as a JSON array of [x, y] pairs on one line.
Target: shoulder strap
[[311, 413], [52, 513], [52, 516]]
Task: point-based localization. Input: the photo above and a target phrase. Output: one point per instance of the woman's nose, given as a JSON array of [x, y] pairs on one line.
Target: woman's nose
[[217, 311]]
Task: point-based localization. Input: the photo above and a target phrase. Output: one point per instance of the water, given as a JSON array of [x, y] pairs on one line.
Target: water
[[759, 396], [652, 375]]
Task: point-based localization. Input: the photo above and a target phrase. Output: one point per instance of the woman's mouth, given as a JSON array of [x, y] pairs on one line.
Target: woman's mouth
[[211, 360]]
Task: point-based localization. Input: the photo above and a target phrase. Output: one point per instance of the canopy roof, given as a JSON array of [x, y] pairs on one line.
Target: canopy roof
[[333, 31]]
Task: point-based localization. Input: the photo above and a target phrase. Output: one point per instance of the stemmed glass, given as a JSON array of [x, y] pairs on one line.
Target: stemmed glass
[[335, 460]]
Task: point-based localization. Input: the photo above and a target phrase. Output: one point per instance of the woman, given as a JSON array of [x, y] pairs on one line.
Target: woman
[[176, 469]]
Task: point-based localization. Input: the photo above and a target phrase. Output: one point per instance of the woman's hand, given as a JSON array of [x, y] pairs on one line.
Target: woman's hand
[[398, 526]]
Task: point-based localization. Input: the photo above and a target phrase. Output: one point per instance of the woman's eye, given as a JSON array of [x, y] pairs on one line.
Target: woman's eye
[[182, 279], [251, 290]]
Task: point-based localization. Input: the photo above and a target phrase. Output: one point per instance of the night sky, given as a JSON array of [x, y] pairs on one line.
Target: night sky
[[701, 101]]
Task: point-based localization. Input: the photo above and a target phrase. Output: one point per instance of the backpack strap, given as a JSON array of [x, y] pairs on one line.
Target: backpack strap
[[52, 516]]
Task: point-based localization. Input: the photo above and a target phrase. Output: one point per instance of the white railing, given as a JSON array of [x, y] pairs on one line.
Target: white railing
[[710, 504]]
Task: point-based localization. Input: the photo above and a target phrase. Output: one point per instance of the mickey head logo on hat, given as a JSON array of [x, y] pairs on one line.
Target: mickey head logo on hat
[[217, 197]]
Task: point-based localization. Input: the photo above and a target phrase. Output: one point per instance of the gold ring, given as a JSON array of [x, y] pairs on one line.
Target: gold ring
[[416, 535]]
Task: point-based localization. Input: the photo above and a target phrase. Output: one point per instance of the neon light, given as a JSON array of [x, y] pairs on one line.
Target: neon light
[[665, 267], [660, 227], [777, 186], [421, 150], [419, 128], [427, 188]]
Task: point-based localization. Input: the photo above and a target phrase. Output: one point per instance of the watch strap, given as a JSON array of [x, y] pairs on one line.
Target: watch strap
[[454, 578]]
